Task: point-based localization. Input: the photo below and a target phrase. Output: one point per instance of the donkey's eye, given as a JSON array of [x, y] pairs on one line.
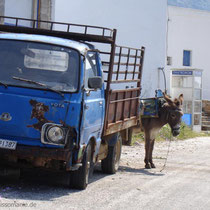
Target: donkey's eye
[[173, 116]]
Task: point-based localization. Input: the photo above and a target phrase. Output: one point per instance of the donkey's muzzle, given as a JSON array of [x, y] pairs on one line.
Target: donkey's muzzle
[[176, 131]]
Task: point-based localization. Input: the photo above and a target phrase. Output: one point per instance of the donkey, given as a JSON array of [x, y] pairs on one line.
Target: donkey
[[170, 112]]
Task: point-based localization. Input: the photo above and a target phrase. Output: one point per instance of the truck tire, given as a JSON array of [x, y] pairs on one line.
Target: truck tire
[[110, 164], [79, 179]]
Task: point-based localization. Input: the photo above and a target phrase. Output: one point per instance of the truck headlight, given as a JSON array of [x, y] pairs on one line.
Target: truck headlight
[[55, 134]]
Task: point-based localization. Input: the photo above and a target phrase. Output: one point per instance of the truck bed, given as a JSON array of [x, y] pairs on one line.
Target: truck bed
[[123, 75]]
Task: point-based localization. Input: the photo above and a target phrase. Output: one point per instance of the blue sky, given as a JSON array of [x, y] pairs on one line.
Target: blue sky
[[194, 4]]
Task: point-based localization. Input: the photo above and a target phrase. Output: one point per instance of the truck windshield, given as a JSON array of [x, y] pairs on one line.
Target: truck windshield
[[55, 66]]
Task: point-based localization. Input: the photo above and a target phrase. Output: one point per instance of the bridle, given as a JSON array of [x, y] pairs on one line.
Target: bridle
[[168, 117]]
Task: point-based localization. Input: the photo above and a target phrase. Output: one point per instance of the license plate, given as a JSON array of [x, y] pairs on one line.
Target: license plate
[[7, 144]]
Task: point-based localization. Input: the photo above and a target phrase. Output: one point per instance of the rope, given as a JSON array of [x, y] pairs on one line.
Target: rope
[[169, 144]]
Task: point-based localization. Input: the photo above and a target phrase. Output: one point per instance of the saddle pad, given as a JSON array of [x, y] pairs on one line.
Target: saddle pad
[[149, 107]]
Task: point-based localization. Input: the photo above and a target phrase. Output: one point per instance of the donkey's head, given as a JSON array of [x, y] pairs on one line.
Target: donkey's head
[[173, 111]]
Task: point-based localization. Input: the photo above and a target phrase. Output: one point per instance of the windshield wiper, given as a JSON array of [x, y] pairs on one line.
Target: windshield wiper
[[5, 85], [38, 83]]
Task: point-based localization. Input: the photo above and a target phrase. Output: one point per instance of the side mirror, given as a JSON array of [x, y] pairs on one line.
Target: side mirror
[[95, 82]]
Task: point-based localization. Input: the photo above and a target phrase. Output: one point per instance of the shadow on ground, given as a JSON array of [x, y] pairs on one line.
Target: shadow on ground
[[38, 185], [149, 172]]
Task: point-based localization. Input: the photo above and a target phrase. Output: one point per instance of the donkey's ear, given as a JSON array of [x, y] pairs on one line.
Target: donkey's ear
[[167, 99], [181, 99]]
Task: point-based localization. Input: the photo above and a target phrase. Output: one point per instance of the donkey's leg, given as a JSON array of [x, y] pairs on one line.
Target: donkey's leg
[[150, 153], [147, 148]]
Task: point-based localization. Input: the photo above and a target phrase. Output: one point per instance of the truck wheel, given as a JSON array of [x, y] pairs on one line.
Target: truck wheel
[[110, 164], [79, 178]]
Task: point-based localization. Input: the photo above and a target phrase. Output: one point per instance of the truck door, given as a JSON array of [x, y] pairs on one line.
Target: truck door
[[93, 103]]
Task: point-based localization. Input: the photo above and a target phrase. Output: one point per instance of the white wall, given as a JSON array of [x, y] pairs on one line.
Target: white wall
[[188, 29], [20, 8], [29, 9], [139, 22]]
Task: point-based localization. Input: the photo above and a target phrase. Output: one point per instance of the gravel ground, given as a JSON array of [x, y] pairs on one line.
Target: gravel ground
[[183, 184]]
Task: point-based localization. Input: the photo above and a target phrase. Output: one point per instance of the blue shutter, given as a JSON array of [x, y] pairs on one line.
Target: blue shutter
[[186, 58]]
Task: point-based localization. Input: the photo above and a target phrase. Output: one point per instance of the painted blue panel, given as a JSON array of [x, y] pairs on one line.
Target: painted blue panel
[[187, 119], [93, 112], [186, 58], [198, 73], [193, 4], [182, 72], [21, 103]]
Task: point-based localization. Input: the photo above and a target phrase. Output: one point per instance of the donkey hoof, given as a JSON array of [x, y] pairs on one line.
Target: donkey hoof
[[152, 165], [147, 166]]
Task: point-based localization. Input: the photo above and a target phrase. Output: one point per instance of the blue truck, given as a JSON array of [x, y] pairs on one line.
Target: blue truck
[[65, 105]]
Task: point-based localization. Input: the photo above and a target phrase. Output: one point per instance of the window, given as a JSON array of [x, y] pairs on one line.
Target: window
[[180, 82], [91, 69], [197, 119], [169, 60], [55, 66], [187, 107], [46, 59], [186, 58]]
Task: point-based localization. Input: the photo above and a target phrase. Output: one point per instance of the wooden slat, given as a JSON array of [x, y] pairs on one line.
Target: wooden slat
[[122, 72], [115, 113], [118, 64], [125, 90], [127, 64], [125, 55], [128, 57], [120, 125], [125, 81], [134, 67], [122, 100]]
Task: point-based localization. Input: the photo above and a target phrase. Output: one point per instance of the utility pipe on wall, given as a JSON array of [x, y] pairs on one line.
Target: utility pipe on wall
[[38, 12]]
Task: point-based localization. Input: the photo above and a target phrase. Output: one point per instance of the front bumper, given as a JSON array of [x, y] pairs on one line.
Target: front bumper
[[24, 152]]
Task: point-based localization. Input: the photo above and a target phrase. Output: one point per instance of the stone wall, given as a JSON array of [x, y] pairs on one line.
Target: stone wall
[[2, 5], [45, 12], [206, 106]]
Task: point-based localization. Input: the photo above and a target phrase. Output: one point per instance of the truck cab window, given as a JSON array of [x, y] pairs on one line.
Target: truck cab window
[[55, 66], [91, 69]]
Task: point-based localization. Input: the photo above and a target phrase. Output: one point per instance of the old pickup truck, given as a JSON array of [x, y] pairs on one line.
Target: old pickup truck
[[65, 105]]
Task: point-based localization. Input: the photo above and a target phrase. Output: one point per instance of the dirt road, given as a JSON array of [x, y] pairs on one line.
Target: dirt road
[[183, 184]]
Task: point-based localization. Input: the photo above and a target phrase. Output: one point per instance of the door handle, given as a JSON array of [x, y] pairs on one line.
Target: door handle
[[100, 103]]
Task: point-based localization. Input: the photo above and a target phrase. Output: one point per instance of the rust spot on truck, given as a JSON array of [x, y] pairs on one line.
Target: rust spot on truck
[[38, 111]]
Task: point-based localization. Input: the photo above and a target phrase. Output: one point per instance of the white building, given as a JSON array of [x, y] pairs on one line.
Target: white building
[[139, 23], [30, 9], [189, 42]]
